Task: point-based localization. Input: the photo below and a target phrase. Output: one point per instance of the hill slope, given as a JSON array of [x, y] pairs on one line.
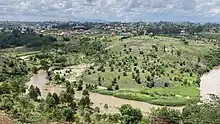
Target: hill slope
[[11, 67]]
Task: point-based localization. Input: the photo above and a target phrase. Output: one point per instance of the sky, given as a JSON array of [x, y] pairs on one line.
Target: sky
[[110, 10]]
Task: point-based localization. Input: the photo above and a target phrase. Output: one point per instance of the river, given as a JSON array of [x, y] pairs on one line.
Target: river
[[98, 100], [210, 84]]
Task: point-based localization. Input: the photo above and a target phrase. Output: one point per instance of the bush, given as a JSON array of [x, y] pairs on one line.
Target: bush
[[141, 52], [91, 67], [110, 87], [79, 87], [135, 64], [85, 92], [166, 84], [116, 87], [186, 42], [166, 116], [172, 71], [103, 70], [66, 39], [125, 74], [89, 73]]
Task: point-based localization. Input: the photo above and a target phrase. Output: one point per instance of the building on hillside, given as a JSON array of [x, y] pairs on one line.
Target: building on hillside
[[128, 34], [65, 34], [183, 33], [213, 30], [113, 33]]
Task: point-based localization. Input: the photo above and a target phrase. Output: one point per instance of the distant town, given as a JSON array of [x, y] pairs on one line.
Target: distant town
[[112, 28]]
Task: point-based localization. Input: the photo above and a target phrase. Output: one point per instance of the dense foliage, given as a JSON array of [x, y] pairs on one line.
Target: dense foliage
[[16, 38], [11, 67], [213, 57]]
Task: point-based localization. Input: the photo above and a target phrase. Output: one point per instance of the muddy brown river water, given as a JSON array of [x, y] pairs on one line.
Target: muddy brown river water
[[210, 84]]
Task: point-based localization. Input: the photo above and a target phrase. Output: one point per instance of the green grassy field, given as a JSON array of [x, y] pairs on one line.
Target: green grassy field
[[174, 67], [175, 96]]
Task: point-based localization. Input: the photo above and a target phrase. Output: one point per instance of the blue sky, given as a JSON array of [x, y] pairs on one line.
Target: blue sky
[[123, 10]]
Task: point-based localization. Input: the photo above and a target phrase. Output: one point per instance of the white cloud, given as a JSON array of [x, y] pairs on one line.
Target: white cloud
[[108, 9]]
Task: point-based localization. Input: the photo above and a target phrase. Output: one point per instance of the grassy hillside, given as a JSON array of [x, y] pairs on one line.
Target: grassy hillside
[[159, 70], [11, 67]]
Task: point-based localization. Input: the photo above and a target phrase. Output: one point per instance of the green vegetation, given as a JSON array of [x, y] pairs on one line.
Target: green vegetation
[[11, 67], [28, 39], [174, 96], [161, 70], [191, 114], [154, 69]]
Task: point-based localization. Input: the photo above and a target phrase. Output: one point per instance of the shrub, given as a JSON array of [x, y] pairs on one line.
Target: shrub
[[79, 87], [66, 39], [103, 70], [166, 84], [124, 73], [119, 77], [135, 64], [172, 71], [110, 87], [165, 116], [114, 81], [191, 74], [80, 81], [150, 84], [91, 67], [89, 73], [186, 42], [133, 75], [117, 87], [141, 52]]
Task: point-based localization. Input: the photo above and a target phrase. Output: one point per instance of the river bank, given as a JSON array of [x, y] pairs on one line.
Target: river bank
[[99, 100]]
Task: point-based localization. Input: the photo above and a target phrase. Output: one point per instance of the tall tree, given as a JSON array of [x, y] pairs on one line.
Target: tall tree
[[50, 101], [38, 91], [33, 94], [130, 115], [68, 114], [56, 98]]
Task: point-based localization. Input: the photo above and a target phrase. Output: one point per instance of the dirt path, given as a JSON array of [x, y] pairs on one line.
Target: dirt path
[[25, 57], [5, 119]]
